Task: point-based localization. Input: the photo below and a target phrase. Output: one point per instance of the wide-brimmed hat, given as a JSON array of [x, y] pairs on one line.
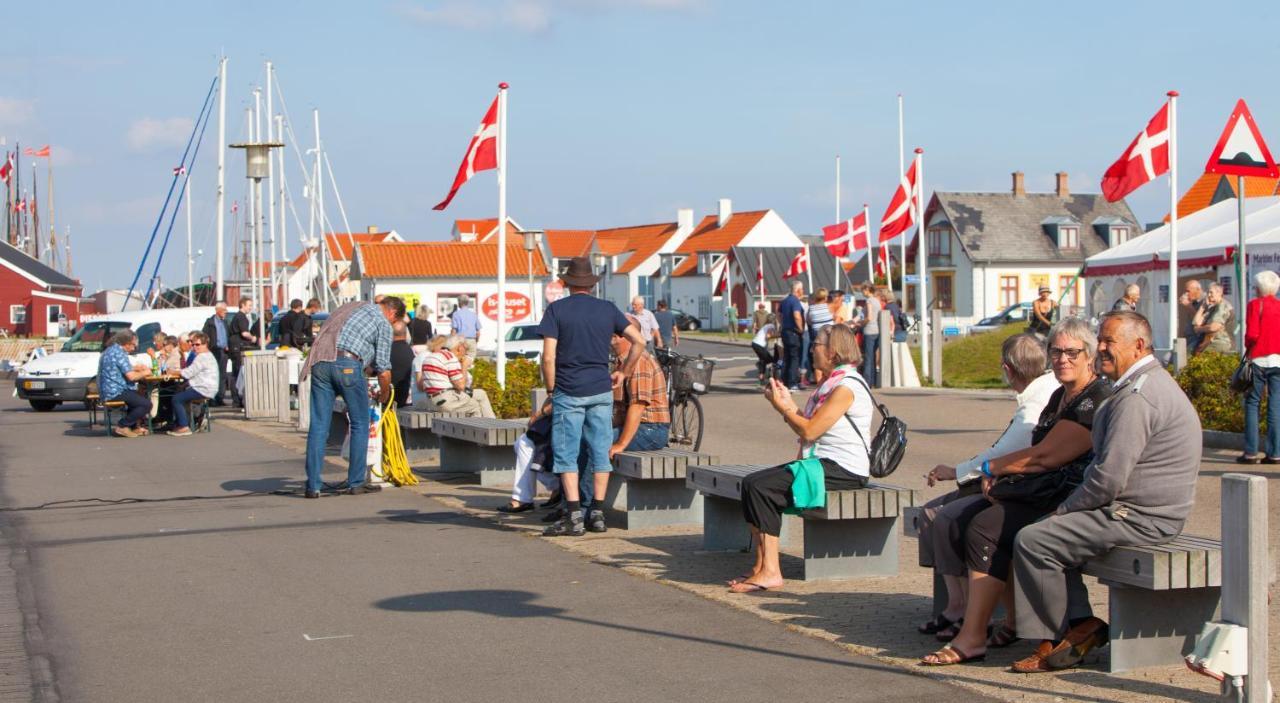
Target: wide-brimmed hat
[[579, 274], [1044, 289]]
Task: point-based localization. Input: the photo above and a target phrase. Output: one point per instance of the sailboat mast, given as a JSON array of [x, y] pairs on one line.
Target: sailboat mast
[[222, 163], [271, 195], [191, 288]]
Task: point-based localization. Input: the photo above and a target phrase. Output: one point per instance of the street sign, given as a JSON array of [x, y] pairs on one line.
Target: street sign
[[1240, 150]]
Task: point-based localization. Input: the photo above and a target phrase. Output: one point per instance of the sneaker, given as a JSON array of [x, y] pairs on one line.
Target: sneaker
[[595, 521], [568, 526], [124, 431], [363, 489], [180, 432]]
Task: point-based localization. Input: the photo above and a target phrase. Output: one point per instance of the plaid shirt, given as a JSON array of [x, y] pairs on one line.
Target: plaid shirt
[[646, 385], [112, 367], [367, 334]]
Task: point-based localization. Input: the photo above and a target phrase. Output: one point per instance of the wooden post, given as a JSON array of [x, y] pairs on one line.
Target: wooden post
[[886, 350], [935, 346], [304, 405], [284, 413], [1179, 354], [1245, 571], [537, 396]]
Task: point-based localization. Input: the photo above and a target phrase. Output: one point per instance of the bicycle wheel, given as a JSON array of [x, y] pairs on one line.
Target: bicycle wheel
[[686, 423]]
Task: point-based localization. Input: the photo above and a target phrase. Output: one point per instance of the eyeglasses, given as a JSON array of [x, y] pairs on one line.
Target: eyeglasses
[[1059, 352]]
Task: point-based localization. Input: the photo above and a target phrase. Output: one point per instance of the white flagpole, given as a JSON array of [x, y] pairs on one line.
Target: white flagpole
[[808, 270], [871, 250], [760, 270], [922, 265], [1173, 223], [902, 244], [835, 282], [502, 236], [222, 167]]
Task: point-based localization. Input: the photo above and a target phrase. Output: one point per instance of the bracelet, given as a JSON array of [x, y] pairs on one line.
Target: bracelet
[[986, 469]]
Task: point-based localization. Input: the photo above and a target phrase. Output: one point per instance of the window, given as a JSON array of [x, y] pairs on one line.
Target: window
[[1119, 235], [92, 336], [1069, 237], [1009, 293], [940, 246], [944, 291], [55, 312], [1070, 283], [645, 287], [18, 314]]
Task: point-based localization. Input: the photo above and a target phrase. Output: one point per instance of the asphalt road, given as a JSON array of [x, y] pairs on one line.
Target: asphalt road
[[387, 597]]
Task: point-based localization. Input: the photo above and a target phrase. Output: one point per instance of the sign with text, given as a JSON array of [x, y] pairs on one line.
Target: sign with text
[[518, 306], [553, 291]]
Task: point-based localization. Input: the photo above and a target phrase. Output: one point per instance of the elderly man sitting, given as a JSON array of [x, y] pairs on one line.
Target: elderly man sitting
[[641, 417], [118, 380], [444, 382], [1138, 490]]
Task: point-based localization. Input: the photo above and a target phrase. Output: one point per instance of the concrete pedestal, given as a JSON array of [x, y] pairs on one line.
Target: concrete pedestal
[[495, 465], [638, 504]]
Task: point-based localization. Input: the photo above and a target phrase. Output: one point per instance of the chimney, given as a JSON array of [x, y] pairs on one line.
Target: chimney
[[1019, 185], [372, 229], [1061, 188], [684, 220], [725, 210]]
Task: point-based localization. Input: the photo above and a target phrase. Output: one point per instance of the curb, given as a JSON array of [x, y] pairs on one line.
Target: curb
[[1215, 439], [723, 342]]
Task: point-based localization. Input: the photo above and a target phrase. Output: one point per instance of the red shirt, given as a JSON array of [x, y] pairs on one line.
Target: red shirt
[[1262, 327]]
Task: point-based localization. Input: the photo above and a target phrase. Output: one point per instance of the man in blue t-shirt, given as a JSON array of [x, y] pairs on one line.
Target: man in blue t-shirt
[[577, 334], [791, 318]]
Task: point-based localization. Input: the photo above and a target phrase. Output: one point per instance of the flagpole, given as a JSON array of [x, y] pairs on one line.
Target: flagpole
[[502, 235], [271, 197], [901, 170], [760, 274], [191, 295], [53, 233], [222, 156], [1173, 224], [922, 265], [871, 250], [836, 281], [808, 270]]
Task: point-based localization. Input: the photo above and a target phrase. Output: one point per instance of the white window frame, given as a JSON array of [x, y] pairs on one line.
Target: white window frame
[[1068, 237], [1119, 235], [20, 318]]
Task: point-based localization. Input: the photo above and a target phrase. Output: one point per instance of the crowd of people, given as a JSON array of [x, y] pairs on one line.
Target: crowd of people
[[183, 365]]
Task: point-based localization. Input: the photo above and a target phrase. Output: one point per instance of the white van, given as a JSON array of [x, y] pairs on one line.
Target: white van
[[65, 376]]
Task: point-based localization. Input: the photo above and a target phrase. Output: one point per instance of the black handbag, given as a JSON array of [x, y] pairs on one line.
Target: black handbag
[[890, 443], [1242, 377], [1045, 490]]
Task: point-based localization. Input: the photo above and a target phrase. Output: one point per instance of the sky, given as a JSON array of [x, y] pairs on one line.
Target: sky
[[620, 111]]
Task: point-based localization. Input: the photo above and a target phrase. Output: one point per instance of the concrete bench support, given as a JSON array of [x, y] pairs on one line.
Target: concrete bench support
[[648, 489], [480, 445]]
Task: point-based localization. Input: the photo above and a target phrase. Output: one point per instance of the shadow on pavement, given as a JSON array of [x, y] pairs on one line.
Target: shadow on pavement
[[440, 517], [277, 483], [707, 568]]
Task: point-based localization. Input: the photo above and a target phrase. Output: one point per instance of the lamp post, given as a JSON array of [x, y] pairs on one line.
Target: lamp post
[[598, 260], [532, 240], [257, 167]]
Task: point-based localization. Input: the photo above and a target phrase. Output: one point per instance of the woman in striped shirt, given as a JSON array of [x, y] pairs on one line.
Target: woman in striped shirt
[[819, 316]]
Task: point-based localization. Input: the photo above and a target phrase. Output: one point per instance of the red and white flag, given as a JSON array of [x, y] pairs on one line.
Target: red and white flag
[[882, 262], [482, 153], [1146, 158], [7, 169], [902, 209], [179, 170], [760, 273], [844, 238], [42, 151], [20, 206], [800, 264], [723, 284]]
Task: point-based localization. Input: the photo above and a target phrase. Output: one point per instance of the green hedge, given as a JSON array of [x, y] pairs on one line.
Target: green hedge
[[522, 376], [1206, 380]]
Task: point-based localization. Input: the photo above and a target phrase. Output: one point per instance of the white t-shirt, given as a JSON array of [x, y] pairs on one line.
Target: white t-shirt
[[762, 336], [840, 443], [202, 374]]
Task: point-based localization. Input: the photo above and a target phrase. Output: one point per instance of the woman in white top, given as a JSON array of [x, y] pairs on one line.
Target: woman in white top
[[827, 427], [202, 383], [760, 344]]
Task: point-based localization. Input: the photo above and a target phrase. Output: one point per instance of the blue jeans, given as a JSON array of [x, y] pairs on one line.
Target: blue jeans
[[649, 436], [870, 343], [1270, 380], [138, 408], [329, 379], [792, 343], [180, 400], [581, 425]]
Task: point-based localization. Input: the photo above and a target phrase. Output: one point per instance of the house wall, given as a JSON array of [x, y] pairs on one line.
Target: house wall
[[692, 295], [14, 290], [417, 291], [771, 231], [988, 299]]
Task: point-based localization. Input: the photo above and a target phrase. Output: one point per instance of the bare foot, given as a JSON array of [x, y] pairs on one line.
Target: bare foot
[[758, 584]]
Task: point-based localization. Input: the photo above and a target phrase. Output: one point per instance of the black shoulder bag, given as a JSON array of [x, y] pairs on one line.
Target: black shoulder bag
[[890, 443], [1242, 378]]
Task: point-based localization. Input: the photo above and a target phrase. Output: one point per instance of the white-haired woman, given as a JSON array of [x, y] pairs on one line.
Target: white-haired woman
[[1262, 347]]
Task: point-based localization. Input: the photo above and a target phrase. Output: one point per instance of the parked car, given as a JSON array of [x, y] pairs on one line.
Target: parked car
[[1018, 312], [524, 342], [686, 321]]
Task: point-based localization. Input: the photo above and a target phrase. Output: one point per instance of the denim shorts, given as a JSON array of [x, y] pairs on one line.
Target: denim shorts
[[582, 425]]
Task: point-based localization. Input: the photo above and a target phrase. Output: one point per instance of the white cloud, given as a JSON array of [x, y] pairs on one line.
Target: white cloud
[[529, 16], [151, 133], [15, 112]]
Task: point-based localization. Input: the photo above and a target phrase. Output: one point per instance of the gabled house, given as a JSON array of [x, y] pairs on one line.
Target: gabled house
[[35, 299], [988, 251], [304, 270]]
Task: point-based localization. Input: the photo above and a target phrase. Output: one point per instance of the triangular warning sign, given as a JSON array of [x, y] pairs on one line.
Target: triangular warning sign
[[1240, 150]]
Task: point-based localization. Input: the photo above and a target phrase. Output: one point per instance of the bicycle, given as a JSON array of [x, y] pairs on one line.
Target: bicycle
[[687, 378]]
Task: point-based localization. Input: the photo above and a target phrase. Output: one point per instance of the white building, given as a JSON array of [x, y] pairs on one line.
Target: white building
[[302, 274], [988, 251]]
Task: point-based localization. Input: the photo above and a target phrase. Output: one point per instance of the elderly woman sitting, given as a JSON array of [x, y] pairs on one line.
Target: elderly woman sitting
[[826, 429], [1021, 487]]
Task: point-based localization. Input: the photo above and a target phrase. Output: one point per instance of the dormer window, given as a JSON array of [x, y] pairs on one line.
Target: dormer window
[[1068, 237], [1119, 235]]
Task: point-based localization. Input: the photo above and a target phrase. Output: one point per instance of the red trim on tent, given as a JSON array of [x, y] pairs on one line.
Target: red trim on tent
[[1155, 264]]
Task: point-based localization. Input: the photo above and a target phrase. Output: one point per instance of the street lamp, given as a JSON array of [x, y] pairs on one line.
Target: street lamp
[[256, 167], [532, 240]]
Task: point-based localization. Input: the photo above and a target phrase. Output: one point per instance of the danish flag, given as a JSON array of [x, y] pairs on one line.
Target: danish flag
[[7, 169], [1146, 158], [42, 151], [760, 273], [902, 210], [482, 153], [799, 264], [844, 238]]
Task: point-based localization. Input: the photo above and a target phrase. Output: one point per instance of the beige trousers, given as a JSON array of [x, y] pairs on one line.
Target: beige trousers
[[474, 405]]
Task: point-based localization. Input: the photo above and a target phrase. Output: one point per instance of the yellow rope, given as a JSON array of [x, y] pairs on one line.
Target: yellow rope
[[395, 463]]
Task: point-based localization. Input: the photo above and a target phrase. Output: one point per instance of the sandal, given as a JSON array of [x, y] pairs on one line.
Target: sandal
[[949, 632], [1003, 637], [1035, 663], [521, 508], [937, 624], [951, 655], [1079, 640], [747, 587]]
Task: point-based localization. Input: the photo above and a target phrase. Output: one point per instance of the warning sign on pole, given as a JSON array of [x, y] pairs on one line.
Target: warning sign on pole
[[1240, 150]]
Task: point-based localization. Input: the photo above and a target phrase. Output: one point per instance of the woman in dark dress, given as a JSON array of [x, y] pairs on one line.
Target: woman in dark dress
[[1021, 488]]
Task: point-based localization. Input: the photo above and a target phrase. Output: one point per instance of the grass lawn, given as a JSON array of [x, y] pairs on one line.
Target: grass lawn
[[974, 361]]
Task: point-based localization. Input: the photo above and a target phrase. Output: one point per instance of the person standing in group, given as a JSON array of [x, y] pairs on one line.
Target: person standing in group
[[401, 362], [817, 316], [900, 322], [308, 322], [762, 345], [1129, 301], [1262, 347], [731, 320], [218, 329], [241, 340], [792, 323], [667, 328], [291, 324], [1213, 323], [577, 332], [648, 323], [759, 317], [835, 303], [466, 324], [202, 383], [1191, 302], [355, 337], [118, 380], [1042, 313], [871, 335], [420, 330]]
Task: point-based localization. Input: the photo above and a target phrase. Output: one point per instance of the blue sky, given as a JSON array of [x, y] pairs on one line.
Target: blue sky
[[621, 111]]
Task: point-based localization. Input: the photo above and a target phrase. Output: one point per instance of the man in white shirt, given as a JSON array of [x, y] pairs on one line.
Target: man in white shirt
[[648, 323], [1023, 365]]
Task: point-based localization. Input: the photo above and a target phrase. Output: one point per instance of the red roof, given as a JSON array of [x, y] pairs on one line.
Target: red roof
[[1210, 188], [340, 245], [643, 241], [709, 236], [483, 229], [444, 260], [568, 243]]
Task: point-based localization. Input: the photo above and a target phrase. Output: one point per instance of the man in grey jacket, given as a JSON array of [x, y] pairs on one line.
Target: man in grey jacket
[[1138, 491]]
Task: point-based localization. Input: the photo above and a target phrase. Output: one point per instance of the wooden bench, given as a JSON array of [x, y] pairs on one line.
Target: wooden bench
[[416, 431], [482, 445], [649, 490], [855, 535], [107, 410], [91, 404]]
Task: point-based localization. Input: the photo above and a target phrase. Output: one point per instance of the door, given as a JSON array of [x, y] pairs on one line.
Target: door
[[51, 320]]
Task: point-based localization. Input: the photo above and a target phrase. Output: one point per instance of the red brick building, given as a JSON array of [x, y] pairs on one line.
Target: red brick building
[[34, 298]]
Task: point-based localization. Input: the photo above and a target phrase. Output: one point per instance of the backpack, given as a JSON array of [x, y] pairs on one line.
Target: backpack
[[890, 443]]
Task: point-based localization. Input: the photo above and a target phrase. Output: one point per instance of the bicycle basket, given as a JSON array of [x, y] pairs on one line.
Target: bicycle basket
[[691, 374]]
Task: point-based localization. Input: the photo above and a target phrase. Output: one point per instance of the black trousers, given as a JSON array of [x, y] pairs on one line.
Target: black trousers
[[237, 361], [792, 344], [765, 494], [138, 408], [220, 355], [990, 535], [764, 359]]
